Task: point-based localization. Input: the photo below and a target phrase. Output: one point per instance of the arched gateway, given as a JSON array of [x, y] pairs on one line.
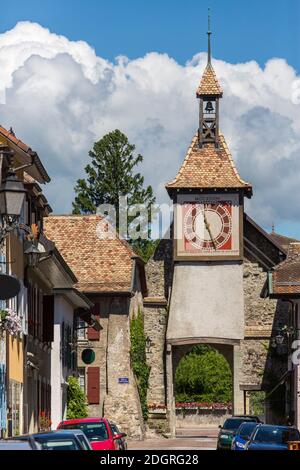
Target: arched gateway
[[207, 302], [197, 280]]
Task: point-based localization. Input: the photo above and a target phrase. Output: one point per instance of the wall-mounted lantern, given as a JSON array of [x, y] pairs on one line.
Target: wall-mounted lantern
[[33, 254], [12, 194], [148, 344]]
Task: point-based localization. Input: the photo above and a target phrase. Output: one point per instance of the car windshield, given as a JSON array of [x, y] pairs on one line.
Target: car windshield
[[94, 431], [246, 429], [272, 434], [232, 424], [48, 443]]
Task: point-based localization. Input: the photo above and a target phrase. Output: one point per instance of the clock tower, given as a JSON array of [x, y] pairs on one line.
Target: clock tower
[[207, 296], [208, 190]]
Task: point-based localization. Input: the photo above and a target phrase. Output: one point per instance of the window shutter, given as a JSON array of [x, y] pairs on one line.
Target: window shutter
[[94, 335], [93, 385], [48, 318]]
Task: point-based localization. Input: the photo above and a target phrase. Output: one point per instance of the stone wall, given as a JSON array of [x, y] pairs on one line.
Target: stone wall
[[261, 365], [155, 320], [118, 402], [195, 418], [122, 404]]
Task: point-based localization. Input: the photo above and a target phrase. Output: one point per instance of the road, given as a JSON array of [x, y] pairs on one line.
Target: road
[[186, 439]]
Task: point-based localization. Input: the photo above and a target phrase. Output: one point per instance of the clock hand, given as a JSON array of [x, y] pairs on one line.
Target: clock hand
[[208, 229]]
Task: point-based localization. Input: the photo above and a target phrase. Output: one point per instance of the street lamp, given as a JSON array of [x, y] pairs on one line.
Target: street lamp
[[12, 194], [33, 255], [279, 339]]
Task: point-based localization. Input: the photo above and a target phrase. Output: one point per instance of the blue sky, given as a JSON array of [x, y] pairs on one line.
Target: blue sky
[[244, 30]]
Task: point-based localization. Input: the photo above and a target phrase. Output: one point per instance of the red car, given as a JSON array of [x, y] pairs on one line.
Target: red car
[[97, 430]]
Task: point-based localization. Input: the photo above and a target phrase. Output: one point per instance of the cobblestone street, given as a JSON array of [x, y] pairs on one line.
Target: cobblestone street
[[186, 439]]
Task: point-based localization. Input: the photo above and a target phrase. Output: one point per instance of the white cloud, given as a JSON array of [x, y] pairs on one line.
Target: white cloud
[[61, 97]]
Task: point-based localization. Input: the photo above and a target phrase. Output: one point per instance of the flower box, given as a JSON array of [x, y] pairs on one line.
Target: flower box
[[10, 322]]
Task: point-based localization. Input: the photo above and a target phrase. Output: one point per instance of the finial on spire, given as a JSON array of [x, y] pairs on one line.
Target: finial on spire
[[209, 45], [273, 227]]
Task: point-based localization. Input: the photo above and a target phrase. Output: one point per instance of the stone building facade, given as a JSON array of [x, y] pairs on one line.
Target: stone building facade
[[113, 279], [208, 284], [261, 366]]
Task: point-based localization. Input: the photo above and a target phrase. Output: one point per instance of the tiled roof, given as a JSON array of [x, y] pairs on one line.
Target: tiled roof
[[209, 84], [282, 240], [286, 276], [100, 265], [208, 167], [10, 137]]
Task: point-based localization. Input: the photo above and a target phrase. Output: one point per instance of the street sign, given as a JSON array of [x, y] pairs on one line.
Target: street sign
[[123, 380]]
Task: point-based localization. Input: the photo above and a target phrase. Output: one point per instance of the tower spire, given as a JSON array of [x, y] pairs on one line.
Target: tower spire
[[209, 40]]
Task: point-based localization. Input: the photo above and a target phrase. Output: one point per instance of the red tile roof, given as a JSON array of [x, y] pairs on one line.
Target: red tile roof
[[282, 240], [286, 276], [11, 138], [209, 84], [100, 265], [208, 167]]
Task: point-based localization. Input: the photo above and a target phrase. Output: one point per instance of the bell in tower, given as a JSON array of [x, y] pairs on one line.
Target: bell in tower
[[209, 93]]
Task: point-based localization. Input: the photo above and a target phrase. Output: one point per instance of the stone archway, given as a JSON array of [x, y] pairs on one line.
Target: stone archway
[[212, 384], [176, 351]]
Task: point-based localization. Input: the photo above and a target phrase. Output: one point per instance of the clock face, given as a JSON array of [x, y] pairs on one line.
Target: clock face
[[207, 226]]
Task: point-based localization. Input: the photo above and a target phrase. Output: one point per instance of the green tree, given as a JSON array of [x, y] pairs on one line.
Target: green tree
[[139, 365], [76, 400], [203, 375], [110, 175]]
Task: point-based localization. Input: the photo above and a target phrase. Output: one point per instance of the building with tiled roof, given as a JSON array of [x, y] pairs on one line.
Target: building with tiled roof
[[209, 280], [112, 276], [208, 167], [284, 285], [282, 240], [24, 154], [284, 280], [100, 265]]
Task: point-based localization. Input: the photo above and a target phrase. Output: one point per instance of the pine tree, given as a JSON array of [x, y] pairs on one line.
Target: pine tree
[[111, 175]]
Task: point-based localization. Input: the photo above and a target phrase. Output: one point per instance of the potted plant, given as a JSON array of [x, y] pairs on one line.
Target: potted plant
[[10, 322], [44, 422]]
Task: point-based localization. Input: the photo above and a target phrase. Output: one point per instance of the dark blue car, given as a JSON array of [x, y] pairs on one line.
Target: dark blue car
[[242, 435], [267, 437]]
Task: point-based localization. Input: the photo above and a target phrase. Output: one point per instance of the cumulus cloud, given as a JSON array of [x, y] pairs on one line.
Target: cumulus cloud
[[61, 97]]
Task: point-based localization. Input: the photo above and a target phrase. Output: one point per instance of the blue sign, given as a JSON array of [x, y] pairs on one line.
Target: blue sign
[[123, 380]]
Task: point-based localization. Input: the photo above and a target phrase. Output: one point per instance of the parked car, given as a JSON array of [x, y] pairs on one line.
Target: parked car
[[15, 444], [243, 435], [252, 417], [122, 441], [97, 430], [229, 429], [268, 437], [58, 440]]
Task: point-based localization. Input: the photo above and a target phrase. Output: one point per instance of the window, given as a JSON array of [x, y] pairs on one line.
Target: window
[[81, 330], [81, 378]]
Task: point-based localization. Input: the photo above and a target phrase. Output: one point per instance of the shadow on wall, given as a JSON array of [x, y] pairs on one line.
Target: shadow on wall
[[276, 379]]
